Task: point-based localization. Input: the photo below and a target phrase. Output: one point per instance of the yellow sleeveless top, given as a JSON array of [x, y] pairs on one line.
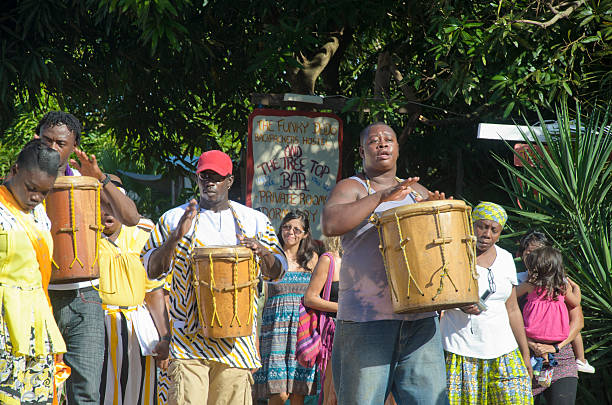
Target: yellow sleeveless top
[[123, 278], [23, 303]]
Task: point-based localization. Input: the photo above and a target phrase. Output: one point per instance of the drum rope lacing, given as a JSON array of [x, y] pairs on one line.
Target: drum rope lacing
[[470, 243], [73, 228], [53, 263], [98, 228], [235, 281], [443, 252], [253, 270], [212, 293], [98, 224], [375, 220]]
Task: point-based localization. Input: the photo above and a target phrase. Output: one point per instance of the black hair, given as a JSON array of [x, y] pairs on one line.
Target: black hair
[[319, 246], [55, 118], [307, 248], [535, 237], [37, 155], [364, 132], [546, 271]]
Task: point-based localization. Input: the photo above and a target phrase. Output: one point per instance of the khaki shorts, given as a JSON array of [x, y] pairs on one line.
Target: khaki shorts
[[201, 382]]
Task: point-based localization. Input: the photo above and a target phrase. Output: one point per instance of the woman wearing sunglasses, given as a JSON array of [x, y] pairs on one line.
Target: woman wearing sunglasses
[[281, 377], [487, 357]]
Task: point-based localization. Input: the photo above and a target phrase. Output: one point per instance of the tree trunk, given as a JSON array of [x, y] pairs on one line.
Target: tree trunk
[[331, 73]]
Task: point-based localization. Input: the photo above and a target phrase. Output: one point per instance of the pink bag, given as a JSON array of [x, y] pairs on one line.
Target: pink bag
[[311, 348]]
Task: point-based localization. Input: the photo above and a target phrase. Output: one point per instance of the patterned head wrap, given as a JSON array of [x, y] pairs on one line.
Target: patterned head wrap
[[489, 210]]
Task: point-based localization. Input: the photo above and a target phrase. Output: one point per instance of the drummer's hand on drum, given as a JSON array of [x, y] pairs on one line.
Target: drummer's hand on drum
[[88, 166], [471, 309], [398, 192], [186, 220], [254, 245], [436, 195]]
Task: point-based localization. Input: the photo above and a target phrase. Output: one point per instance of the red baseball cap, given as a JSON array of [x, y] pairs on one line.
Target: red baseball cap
[[216, 161]]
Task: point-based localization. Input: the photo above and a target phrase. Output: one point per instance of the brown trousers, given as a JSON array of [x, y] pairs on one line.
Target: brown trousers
[[205, 382]]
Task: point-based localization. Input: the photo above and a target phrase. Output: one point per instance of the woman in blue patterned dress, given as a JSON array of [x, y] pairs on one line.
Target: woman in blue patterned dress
[[281, 377]]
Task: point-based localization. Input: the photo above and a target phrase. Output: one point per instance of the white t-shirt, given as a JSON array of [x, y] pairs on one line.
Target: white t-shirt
[[487, 335]]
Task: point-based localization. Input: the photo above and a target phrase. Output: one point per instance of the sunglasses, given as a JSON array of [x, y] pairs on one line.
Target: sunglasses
[[491, 280], [212, 176], [289, 228]]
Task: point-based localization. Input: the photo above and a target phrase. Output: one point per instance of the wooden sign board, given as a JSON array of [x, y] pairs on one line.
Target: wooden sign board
[[293, 161]]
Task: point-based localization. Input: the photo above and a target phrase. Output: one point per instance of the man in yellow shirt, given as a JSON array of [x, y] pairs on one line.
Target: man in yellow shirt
[[129, 375]]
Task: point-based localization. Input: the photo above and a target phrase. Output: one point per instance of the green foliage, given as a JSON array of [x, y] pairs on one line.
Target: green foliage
[[171, 78], [564, 188], [14, 138], [570, 177], [23, 129]]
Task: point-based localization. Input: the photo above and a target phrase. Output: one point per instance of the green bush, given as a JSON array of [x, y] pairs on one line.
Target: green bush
[[563, 188]]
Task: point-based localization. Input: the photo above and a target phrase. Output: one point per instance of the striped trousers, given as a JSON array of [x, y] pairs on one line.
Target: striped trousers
[[128, 377], [163, 386]]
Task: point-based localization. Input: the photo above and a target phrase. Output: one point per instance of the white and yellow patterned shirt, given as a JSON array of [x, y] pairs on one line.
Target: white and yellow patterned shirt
[[214, 228]]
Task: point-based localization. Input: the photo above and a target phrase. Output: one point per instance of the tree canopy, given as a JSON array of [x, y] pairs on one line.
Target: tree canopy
[[171, 78]]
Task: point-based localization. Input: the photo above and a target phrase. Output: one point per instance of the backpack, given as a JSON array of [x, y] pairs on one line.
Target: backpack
[[310, 324]]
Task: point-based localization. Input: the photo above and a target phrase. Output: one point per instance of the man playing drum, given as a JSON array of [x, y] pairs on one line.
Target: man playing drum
[[206, 370], [77, 305], [377, 351]]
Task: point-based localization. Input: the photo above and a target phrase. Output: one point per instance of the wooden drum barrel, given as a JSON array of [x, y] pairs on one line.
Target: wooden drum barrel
[[73, 206], [429, 250], [225, 279]]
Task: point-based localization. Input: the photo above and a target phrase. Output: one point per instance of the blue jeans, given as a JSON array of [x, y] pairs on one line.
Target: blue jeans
[[80, 318], [371, 359]]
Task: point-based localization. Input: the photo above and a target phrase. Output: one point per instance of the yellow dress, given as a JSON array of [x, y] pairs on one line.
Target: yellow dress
[[29, 335], [23, 304]]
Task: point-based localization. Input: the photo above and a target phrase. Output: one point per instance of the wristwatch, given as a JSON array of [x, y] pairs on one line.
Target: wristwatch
[[166, 338], [556, 347], [106, 180]]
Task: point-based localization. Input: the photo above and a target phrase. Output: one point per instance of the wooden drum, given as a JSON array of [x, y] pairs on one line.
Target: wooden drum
[[225, 279], [73, 206], [429, 250]]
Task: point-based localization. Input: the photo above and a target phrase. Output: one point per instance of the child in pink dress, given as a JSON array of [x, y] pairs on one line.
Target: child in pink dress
[[545, 314]]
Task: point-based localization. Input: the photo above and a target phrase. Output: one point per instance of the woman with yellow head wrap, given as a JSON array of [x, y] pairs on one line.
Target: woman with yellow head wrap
[[486, 347]]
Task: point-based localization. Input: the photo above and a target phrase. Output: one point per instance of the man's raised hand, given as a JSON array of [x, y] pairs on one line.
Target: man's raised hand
[[398, 192], [186, 220], [88, 165]]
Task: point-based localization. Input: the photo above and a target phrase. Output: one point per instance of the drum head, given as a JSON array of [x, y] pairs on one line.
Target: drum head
[[222, 252], [427, 207], [66, 182]]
